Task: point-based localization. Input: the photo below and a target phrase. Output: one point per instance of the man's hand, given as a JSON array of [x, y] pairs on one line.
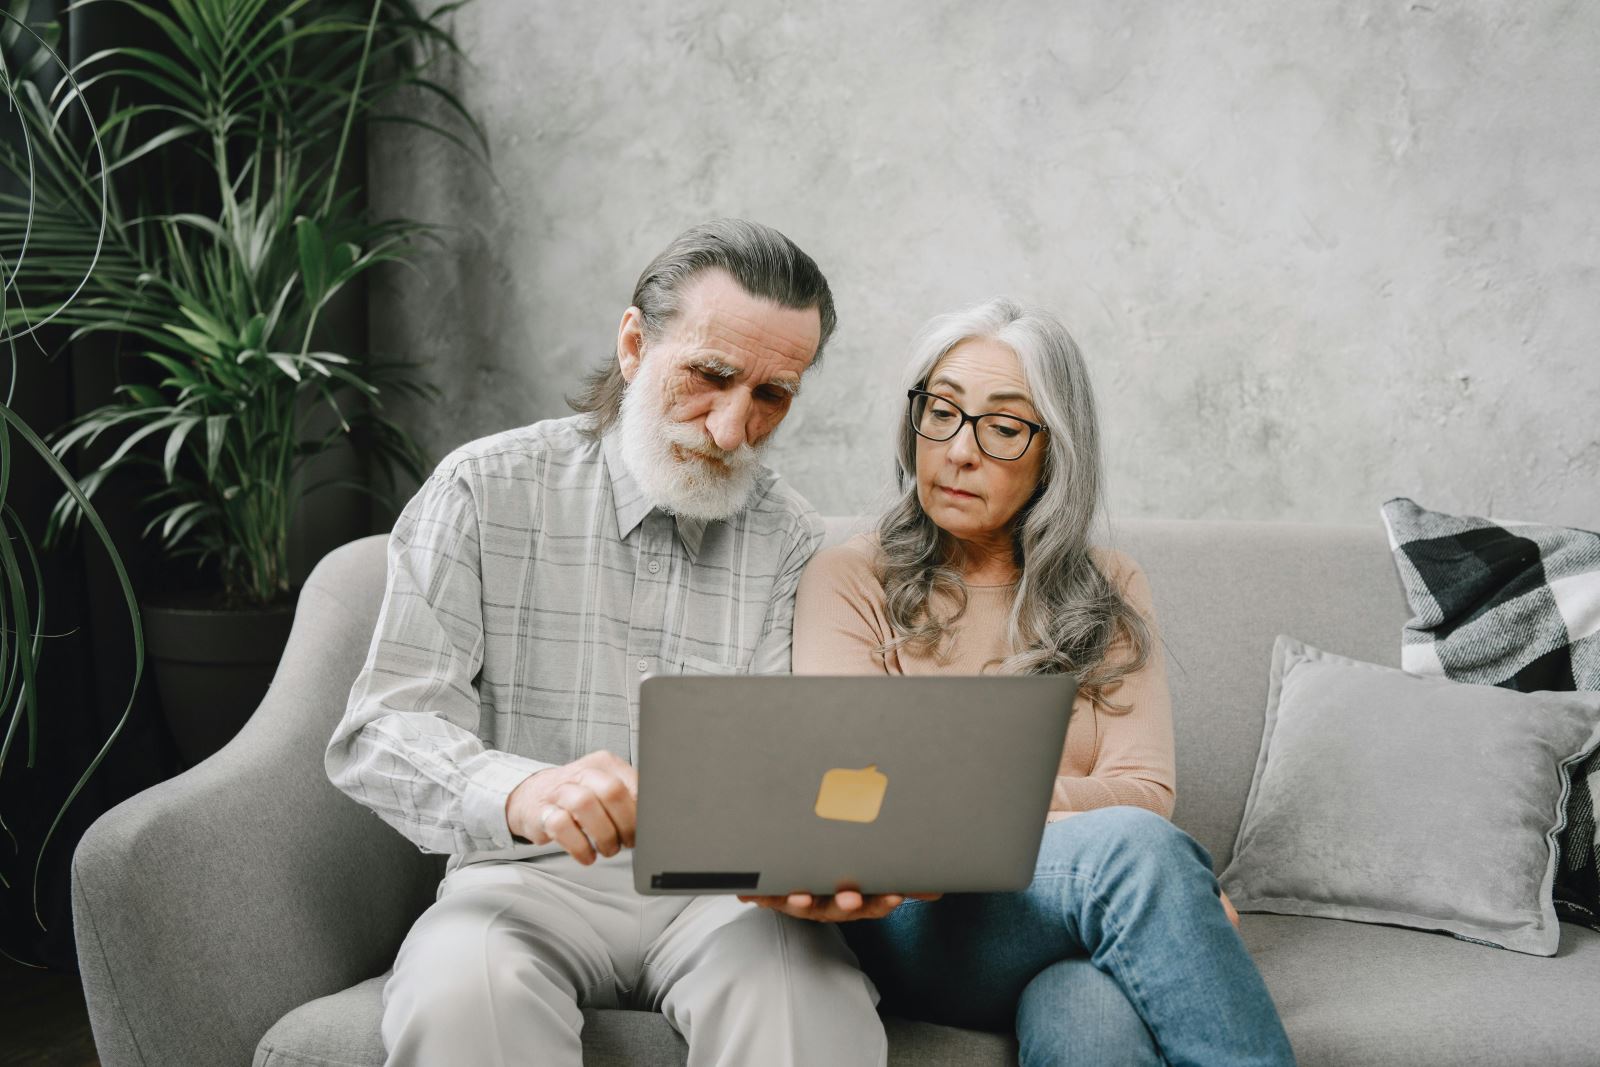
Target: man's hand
[[588, 806], [843, 906]]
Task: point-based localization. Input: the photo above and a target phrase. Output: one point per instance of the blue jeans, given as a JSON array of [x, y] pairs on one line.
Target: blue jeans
[[1118, 953]]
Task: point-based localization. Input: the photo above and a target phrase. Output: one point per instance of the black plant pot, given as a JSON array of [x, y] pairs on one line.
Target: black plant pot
[[212, 665]]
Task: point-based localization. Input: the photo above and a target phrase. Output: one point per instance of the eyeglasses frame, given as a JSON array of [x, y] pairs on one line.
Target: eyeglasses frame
[[1034, 428]]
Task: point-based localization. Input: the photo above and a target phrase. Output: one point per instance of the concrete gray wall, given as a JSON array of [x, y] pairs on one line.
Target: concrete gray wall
[[1317, 254]]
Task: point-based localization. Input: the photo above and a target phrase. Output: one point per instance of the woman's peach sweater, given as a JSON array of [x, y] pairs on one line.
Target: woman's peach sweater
[[1111, 756]]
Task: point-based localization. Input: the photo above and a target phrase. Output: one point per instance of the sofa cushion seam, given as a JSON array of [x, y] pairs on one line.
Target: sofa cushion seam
[[275, 1052], [94, 927]]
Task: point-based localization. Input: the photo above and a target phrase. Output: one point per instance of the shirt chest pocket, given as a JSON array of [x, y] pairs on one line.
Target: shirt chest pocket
[[687, 664]]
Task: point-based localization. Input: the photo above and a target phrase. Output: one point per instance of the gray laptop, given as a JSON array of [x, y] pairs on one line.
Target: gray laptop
[[778, 784]]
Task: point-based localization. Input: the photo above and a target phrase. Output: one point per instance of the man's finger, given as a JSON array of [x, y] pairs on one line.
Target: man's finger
[[612, 789], [591, 817], [620, 803], [611, 764], [561, 826], [540, 833]]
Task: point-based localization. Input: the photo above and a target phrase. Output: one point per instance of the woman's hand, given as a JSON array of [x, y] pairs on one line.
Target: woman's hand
[[1227, 906], [844, 906]]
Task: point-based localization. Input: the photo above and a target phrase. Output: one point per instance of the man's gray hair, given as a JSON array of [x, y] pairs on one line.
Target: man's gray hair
[[1067, 616], [764, 262]]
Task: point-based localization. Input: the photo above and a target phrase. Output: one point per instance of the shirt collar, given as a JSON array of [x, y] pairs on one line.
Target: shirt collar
[[633, 505]]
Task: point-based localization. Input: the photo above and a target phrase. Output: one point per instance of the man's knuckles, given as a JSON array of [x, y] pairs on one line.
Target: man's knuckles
[[602, 760]]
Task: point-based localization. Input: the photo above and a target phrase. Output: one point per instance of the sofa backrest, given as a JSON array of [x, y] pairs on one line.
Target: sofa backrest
[[1223, 591]]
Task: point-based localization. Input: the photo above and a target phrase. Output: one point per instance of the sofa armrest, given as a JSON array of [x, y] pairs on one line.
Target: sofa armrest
[[211, 904]]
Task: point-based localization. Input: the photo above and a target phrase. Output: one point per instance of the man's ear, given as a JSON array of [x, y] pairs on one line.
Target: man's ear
[[630, 343]]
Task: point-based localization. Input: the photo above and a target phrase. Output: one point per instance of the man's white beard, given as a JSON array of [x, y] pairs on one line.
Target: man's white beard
[[693, 486]]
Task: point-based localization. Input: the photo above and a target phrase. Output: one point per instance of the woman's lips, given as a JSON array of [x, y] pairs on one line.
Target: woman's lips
[[957, 493]]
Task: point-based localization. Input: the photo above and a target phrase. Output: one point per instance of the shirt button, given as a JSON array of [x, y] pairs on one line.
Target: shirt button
[[644, 665], [655, 566]]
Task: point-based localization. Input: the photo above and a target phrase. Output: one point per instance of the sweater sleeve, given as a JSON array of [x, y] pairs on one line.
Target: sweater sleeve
[[838, 613], [1133, 754]]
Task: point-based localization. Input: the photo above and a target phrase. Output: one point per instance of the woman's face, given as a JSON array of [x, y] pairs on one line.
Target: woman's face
[[967, 493]]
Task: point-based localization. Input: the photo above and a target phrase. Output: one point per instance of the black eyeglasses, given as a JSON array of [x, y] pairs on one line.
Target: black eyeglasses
[[1004, 437]]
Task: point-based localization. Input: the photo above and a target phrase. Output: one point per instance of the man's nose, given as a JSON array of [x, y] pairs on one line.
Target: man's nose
[[728, 422]]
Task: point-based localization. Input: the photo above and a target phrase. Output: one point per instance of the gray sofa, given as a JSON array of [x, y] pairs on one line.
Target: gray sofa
[[247, 908]]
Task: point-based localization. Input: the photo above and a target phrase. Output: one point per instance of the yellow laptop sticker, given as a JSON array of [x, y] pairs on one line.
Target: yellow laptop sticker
[[849, 795]]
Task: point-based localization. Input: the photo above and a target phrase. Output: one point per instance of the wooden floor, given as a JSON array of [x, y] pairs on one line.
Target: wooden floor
[[42, 1019]]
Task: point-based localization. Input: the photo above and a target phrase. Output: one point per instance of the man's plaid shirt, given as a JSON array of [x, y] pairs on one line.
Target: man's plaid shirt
[[531, 586]]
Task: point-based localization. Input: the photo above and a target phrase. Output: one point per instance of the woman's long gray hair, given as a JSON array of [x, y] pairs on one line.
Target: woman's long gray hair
[[1066, 615]]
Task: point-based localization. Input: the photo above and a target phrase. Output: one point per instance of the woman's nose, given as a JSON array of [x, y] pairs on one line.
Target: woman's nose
[[964, 445]]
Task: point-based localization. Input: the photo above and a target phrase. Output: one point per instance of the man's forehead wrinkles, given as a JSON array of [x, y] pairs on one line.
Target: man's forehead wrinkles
[[749, 333], [745, 352], [730, 329]]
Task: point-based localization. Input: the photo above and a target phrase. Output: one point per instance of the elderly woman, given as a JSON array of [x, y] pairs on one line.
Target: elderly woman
[[1121, 950]]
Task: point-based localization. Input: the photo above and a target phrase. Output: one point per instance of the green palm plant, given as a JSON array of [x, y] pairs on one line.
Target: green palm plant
[[258, 100]]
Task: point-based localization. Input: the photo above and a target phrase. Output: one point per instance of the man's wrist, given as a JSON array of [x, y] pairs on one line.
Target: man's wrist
[[517, 838], [491, 779]]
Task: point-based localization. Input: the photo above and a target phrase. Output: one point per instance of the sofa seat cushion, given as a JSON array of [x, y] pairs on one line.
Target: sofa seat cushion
[[342, 1031], [1354, 993], [1349, 993]]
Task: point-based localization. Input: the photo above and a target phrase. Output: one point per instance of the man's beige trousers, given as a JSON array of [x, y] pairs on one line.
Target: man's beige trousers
[[495, 972]]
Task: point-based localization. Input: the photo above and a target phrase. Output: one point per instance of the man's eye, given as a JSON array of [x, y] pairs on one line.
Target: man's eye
[[709, 376], [773, 396]]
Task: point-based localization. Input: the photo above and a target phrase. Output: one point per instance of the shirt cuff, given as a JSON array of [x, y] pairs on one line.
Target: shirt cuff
[[490, 779]]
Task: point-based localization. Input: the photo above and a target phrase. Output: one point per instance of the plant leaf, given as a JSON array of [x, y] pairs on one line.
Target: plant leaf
[[216, 435], [285, 362], [200, 342], [213, 329], [169, 459], [313, 258]]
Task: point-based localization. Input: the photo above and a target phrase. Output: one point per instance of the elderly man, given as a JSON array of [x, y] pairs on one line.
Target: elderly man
[[534, 579]]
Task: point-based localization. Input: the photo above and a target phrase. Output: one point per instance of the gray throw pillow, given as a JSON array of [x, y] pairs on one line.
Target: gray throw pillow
[[1386, 797]]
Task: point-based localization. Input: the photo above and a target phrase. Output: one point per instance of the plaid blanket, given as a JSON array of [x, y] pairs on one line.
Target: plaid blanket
[[1517, 605]]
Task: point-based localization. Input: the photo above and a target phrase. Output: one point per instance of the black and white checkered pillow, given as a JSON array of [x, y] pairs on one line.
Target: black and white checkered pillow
[[1517, 605]]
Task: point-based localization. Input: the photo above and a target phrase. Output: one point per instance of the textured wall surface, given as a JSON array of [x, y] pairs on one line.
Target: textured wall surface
[[1317, 254]]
